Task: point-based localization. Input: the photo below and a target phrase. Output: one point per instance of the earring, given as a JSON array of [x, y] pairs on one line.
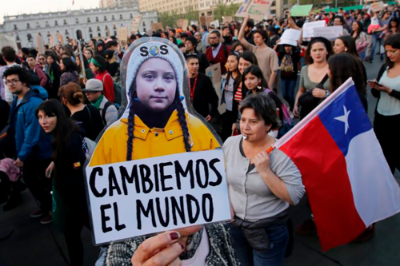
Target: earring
[[345, 49]]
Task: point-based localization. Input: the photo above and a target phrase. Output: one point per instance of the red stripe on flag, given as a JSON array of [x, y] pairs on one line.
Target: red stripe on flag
[[324, 174]]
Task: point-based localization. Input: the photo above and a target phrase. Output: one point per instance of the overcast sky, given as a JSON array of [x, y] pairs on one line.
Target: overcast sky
[[14, 7]]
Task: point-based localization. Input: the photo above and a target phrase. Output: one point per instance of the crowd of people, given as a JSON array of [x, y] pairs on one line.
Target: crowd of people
[[51, 102]]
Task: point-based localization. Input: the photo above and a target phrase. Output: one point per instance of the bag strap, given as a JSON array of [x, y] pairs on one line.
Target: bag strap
[[321, 84], [381, 71], [103, 112]]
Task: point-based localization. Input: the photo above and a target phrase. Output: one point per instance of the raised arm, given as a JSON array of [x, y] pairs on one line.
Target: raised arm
[[241, 38]]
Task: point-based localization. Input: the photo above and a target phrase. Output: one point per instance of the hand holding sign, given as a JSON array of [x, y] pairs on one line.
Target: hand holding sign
[[163, 248]]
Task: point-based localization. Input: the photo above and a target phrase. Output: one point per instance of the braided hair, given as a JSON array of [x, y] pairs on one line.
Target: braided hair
[[131, 120]]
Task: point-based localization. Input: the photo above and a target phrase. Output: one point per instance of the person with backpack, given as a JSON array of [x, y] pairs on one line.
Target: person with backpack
[[69, 182], [99, 67], [94, 93]]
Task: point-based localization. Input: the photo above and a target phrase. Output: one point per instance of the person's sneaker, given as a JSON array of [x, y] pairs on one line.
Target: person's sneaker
[[12, 202], [37, 213], [47, 219], [307, 228]]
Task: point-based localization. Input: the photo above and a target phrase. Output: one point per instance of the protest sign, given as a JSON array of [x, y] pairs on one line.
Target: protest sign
[[155, 26], [377, 6], [123, 34], [60, 38], [51, 41], [291, 37], [214, 73], [182, 23], [331, 33], [206, 20], [157, 194], [156, 177], [40, 43], [254, 9], [300, 10], [227, 19], [308, 28], [136, 23], [215, 23], [8, 40]]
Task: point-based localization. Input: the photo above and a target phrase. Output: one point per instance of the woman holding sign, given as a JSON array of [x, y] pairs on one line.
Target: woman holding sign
[[156, 123], [262, 185]]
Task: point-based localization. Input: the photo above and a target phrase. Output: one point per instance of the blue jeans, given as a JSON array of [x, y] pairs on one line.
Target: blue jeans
[[287, 87], [278, 237], [375, 41]]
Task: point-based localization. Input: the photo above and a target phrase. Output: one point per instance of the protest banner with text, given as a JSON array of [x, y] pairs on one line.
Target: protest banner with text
[[157, 194], [255, 9], [331, 32]]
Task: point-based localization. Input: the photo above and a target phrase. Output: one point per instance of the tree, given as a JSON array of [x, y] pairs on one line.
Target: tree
[[191, 14], [168, 19], [223, 10]]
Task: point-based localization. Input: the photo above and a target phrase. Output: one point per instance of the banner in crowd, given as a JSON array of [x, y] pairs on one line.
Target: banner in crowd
[[347, 179], [377, 6], [256, 10], [8, 40], [123, 34], [206, 20], [331, 32], [215, 23], [308, 28], [40, 44], [227, 19], [300, 10], [182, 23], [290, 37], [136, 23], [155, 26], [146, 179], [60, 38], [214, 73]]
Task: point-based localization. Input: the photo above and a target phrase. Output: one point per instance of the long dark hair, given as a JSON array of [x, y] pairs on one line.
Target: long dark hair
[[350, 44], [69, 65], [390, 24], [61, 133], [393, 41], [360, 29], [256, 71], [229, 73], [322, 40], [249, 56], [343, 66], [131, 119]]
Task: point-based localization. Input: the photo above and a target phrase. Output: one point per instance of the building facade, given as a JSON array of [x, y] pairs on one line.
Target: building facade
[[77, 24], [205, 7], [117, 3]]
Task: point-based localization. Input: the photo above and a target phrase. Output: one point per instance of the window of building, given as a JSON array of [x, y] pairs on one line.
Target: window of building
[[15, 27], [115, 33], [66, 32], [47, 24], [55, 23], [144, 24], [97, 19], [131, 15], [65, 22], [112, 17], [88, 20], [98, 28], [144, 29], [105, 18], [90, 29], [76, 20], [91, 36], [120, 17], [99, 34], [37, 24]]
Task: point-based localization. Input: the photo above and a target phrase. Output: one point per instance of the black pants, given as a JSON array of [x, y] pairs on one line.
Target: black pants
[[387, 130], [76, 219], [37, 182]]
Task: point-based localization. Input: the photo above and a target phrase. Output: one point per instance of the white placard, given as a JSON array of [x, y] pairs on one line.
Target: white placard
[[290, 36], [308, 27], [331, 33], [215, 23], [157, 194]]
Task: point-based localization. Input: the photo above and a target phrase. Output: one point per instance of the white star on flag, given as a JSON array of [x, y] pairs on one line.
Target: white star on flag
[[345, 119]]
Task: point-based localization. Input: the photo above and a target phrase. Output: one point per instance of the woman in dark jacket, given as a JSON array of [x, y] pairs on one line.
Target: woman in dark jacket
[[68, 160], [69, 71], [54, 74]]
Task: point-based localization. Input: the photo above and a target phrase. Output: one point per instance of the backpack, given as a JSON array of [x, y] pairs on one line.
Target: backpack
[[117, 91], [104, 111], [88, 147]]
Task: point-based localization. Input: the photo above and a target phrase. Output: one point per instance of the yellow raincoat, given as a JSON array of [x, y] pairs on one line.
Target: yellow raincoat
[[151, 142]]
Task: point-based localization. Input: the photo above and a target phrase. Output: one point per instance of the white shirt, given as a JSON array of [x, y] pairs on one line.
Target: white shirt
[[216, 50], [389, 105]]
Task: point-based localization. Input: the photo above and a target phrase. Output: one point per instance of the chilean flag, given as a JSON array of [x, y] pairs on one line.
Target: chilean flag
[[347, 179]]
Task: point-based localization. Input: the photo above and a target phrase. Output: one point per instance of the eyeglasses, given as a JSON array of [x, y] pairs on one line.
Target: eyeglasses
[[41, 58], [12, 82]]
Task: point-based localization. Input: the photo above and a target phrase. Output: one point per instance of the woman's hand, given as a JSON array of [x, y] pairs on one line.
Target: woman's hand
[[49, 170], [296, 110], [160, 250], [262, 162], [383, 88], [234, 127], [318, 93]]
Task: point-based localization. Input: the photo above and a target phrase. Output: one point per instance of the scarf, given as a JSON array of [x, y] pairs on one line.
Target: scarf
[[151, 118], [98, 102]]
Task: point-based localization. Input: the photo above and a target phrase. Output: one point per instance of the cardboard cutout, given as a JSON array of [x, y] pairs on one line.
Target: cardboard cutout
[[159, 167]]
